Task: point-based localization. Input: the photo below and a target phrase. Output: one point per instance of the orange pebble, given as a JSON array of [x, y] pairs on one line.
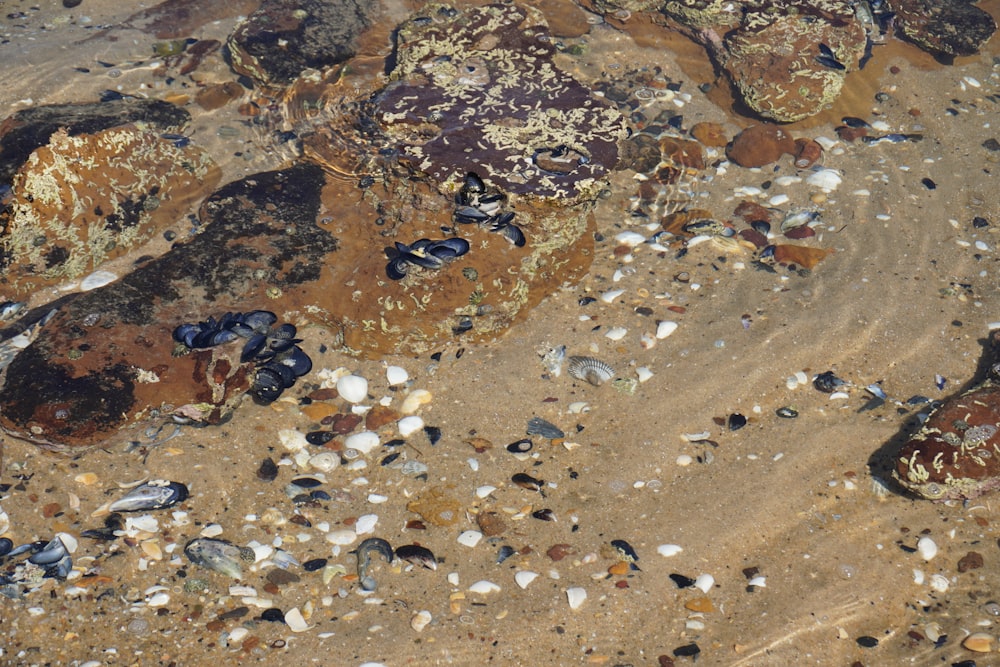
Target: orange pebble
[[619, 568], [699, 604]]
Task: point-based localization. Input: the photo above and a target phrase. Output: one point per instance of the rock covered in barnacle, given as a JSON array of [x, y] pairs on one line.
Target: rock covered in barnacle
[[772, 53], [82, 199], [274, 44], [946, 27], [956, 454], [477, 90]]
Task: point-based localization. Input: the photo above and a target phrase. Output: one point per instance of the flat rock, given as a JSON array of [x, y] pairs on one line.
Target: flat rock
[[944, 27]]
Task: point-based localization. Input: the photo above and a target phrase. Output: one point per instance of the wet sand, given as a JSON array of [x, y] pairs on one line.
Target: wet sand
[[905, 296]]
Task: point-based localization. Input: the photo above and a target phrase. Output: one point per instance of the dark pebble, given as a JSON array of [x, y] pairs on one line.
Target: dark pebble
[[314, 564], [682, 581], [389, 459], [665, 661], [787, 412], [319, 438], [970, 561], [736, 421], [70, 4], [433, 434], [280, 577], [828, 382], [928, 183], [267, 470], [991, 145], [395, 442], [238, 612], [586, 300], [979, 222], [306, 482], [687, 651], [170, 235], [274, 615], [882, 97], [319, 494], [644, 311], [520, 447], [867, 642], [964, 663]]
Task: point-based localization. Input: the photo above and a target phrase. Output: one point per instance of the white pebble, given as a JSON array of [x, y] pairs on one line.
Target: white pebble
[[97, 279], [616, 333], [918, 577], [778, 200], [748, 191], [365, 524], [982, 245], [630, 239], [575, 596], [664, 328], [407, 426], [926, 548], [785, 181], [342, 537], [470, 538], [825, 179], [759, 582], [684, 460], [704, 582], [364, 442], [396, 375], [377, 498], [352, 388], [668, 550], [414, 400], [294, 620], [236, 635], [972, 81], [523, 578], [420, 620], [160, 599], [485, 490], [643, 373], [939, 583], [825, 142], [482, 587], [579, 407]]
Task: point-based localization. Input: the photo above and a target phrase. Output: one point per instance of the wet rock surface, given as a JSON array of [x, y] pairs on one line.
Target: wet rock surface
[[952, 28]]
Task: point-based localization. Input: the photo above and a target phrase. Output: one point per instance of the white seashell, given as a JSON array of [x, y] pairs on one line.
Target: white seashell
[[414, 400], [594, 371], [352, 388], [407, 426], [664, 328], [939, 583], [643, 373], [647, 341], [524, 577], [484, 491], [575, 596], [785, 181], [630, 239], [68, 541], [97, 279], [470, 538], [295, 621], [704, 582], [377, 498], [778, 200], [292, 440], [365, 524], [759, 582], [616, 333], [160, 599], [146, 523], [342, 537], [668, 550], [396, 375], [364, 442], [825, 179], [242, 591], [611, 295], [483, 587], [211, 530], [578, 407], [420, 620], [236, 635], [684, 460], [324, 461], [927, 548]]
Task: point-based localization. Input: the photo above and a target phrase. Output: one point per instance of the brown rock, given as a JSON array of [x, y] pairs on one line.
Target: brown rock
[[970, 561], [752, 211], [379, 416], [710, 134], [759, 145], [218, 95], [491, 523], [437, 506], [559, 551], [807, 152]]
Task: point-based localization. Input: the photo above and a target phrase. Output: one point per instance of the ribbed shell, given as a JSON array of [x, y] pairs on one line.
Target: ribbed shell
[[594, 371]]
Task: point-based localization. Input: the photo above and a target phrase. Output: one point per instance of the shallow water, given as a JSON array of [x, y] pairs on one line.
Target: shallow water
[[906, 295]]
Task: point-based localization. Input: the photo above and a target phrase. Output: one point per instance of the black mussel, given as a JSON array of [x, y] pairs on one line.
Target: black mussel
[[273, 615], [464, 324], [420, 255], [222, 337], [306, 482], [761, 227], [282, 338], [854, 121], [6, 545], [267, 385], [314, 564], [521, 446], [505, 553], [319, 438], [396, 268], [153, 495], [253, 347], [470, 215], [372, 545], [417, 555], [473, 184], [389, 458], [828, 382], [259, 320], [544, 515], [735, 421], [786, 412], [682, 581], [242, 330], [448, 249], [625, 551], [286, 374], [228, 320], [514, 235], [320, 494], [51, 553], [186, 332], [296, 360], [433, 434], [491, 202]]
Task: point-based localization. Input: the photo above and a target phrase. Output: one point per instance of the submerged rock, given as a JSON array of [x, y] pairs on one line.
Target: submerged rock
[[956, 454], [948, 28]]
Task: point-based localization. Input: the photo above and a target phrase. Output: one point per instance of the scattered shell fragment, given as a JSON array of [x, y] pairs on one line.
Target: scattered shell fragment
[[704, 582], [523, 578], [483, 587], [420, 620], [364, 442], [396, 375], [979, 642], [470, 538], [153, 495], [295, 621], [576, 596], [664, 328], [352, 388], [97, 279], [407, 426], [594, 371], [668, 550], [544, 428], [616, 333], [414, 400], [927, 548]]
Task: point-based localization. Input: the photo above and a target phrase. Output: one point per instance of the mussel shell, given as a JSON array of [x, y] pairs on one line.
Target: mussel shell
[[259, 320], [422, 257], [218, 555], [296, 360], [153, 495], [544, 428], [186, 332], [286, 373], [51, 553], [396, 268], [514, 234], [470, 215], [473, 184], [448, 249], [6, 545], [594, 371], [417, 555], [222, 337], [254, 346], [267, 385]]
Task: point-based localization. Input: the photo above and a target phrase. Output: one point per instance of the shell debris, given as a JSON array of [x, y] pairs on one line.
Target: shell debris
[[576, 597], [592, 370]]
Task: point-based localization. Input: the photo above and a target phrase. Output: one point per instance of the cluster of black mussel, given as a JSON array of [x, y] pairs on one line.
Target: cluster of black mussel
[[476, 204], [24, 568], [280, 361]]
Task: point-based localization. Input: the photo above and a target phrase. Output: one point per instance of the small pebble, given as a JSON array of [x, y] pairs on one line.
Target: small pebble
[[867, 642], [927, 548]]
